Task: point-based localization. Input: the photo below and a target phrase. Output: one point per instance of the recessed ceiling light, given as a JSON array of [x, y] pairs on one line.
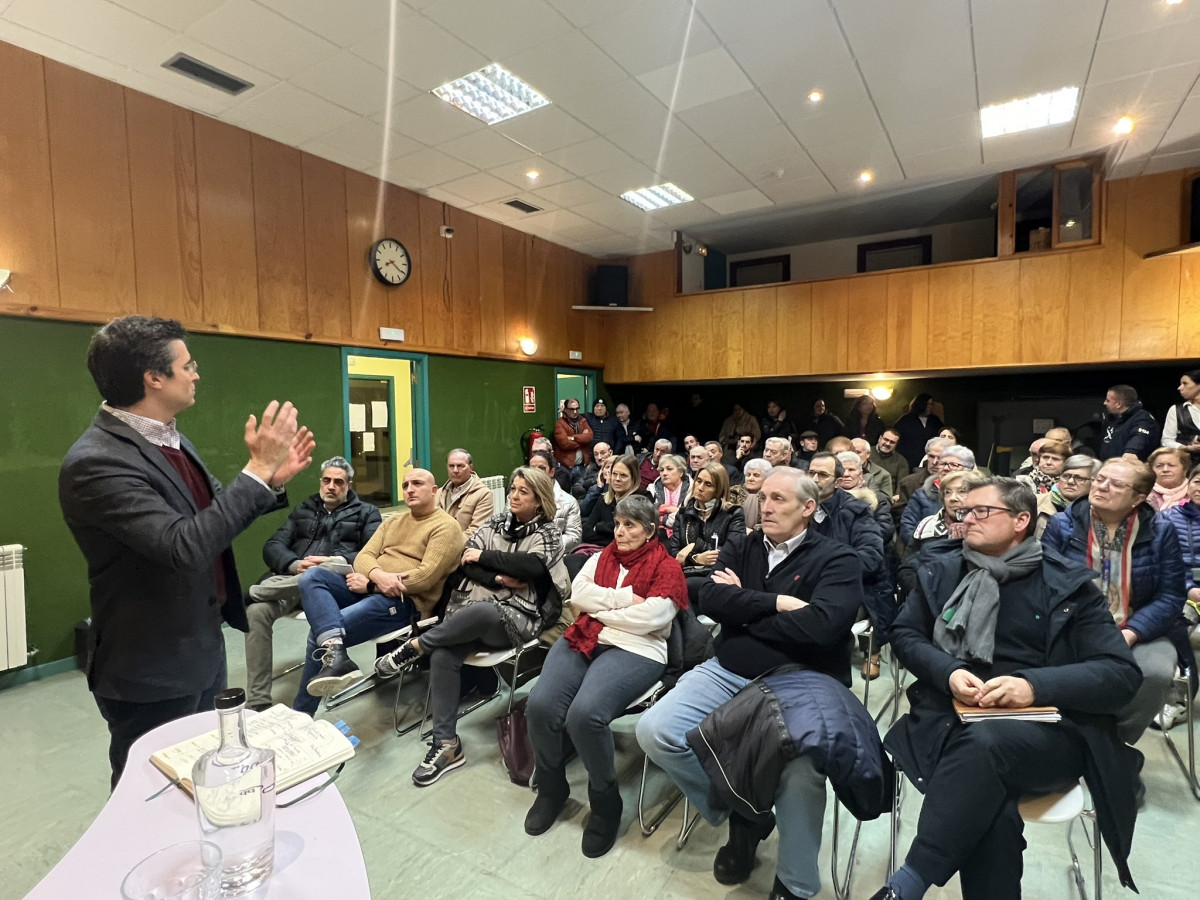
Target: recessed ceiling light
[[866, 176], [533, 174], [815, 96], [1172, 2], [1027, 113], [1124, 125], [657, 197], [492, 94]]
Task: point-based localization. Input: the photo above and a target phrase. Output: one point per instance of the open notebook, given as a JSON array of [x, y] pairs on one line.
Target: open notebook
[[970, 714], [303, 747]]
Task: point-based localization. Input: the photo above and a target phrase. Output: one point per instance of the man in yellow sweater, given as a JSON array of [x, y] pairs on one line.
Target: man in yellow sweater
[[397, 579]]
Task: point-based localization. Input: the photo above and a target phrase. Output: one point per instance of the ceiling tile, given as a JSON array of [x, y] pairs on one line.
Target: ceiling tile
[[565, 66], [345, 22], [484, 149], [479, 188], [178, 14], [652, 34], [943, 161], [570, 194], [106, 31], [585, 12], [432, 121], [841, 163], [291, 114], [352, 82], [339, 155], [681, 216], [590, 157], [697, 79], [806, 53], [1128, 96], [763, 152], [610, 107], [729, 20], [367, 139], [262, 38], [1132, 16], [739, 114], [424, 54], [614, 213], [1186, 123], [650, 143], [925, 137], [627, 177], [1028, 147], [425, 168], [738, 201], [1147, 50], [1168, 162], [515, 173], [449, 197], [795, 191], [545, 129], [500, 30], [702, 173]]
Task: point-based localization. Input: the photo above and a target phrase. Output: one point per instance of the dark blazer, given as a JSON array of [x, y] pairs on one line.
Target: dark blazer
[[153, 559]]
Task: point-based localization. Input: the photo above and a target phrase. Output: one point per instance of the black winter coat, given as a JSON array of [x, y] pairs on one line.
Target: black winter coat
[[706, 535], [1133, 431], [914, 435], [1089, 674], [312, 530]]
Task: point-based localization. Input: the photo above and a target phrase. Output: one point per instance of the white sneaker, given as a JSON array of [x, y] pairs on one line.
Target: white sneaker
[[1172, 714]]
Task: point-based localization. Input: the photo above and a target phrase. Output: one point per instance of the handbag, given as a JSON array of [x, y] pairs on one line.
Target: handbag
[[512, 733]]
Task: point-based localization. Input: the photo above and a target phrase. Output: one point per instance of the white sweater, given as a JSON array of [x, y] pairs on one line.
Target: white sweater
[[640, 628]]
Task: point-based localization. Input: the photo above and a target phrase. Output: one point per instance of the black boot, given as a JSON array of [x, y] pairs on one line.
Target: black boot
[[604, 822], [735, 860], [552, 794]]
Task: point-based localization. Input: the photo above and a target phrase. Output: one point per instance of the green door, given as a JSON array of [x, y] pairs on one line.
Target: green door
[[573, 384]]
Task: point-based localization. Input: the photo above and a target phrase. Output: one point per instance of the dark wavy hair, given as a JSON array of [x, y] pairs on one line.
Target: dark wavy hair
[[124, 350]]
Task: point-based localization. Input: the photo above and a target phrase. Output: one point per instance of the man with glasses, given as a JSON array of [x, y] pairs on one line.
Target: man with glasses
[[911, 483], [572, 440], [155, 528], [999, 623], [327, 529], [1073, 482], [927, 500], [1136, 563]]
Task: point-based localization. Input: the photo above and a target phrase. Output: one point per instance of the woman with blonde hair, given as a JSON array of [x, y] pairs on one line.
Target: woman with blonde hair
[[1170, 466]]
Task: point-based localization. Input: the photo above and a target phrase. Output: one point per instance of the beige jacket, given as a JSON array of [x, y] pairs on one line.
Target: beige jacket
[[471, 509]]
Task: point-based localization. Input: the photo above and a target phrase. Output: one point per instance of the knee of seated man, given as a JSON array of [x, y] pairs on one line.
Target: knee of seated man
[[653, 736]]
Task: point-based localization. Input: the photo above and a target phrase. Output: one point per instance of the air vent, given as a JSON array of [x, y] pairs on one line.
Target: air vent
[[522, 206], [201, 71]]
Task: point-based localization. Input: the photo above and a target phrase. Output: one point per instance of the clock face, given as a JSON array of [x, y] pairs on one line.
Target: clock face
[[390, 261]]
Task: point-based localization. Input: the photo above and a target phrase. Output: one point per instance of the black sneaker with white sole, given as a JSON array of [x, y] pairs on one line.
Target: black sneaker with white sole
[[390, 664], [338, 671], [441, 758]]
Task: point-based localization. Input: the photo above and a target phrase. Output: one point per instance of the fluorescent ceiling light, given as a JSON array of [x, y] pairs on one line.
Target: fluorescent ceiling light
[[657, 197], [1038, 111], [492, 94]]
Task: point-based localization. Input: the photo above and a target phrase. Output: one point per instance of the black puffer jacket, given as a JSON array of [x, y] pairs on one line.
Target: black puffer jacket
[[311, 530], [712, 534], [1134, 431], [746, 742]]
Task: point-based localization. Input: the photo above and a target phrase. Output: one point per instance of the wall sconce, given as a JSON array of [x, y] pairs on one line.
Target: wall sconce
[[528, 346], [700, 249], [881, 393], [5, 278]]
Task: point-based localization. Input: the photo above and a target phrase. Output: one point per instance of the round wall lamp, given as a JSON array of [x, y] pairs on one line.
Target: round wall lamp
[[528, 346], [881, 393]]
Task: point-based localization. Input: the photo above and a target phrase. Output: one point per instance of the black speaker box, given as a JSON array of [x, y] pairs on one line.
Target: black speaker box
[[610, 286]]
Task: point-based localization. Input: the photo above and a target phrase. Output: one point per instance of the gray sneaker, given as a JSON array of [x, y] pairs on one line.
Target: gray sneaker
[[338, 671], [441, 758]]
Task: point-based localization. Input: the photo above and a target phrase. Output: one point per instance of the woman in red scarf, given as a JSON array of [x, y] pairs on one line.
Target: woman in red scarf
[[615, 651]]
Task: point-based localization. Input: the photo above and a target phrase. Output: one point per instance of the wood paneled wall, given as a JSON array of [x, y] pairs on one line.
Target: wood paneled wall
[[114, 202], [1093, 305]]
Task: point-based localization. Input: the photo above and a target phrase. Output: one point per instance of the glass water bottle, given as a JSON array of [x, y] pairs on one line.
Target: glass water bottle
[[235, 800]]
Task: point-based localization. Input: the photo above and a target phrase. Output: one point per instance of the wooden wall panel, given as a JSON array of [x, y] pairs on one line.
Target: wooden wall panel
[[493, 331], [89, 165], [793, 342], [1095, 288], [464, 281], [225, 182], [434, 273], [166, 218], [993, 322], [1189, 307], [759, 335], [279, 236], [830, 326], [516, 306], [401, 214], [727, 331], [27, 241], [907, 320], [867, 316], [1149, 320], [366, 223], [951, 303], [325, 246], [1042, 334]]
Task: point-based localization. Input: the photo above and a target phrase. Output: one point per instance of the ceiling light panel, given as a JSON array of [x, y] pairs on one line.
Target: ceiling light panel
[[1028, 113], [660, 196], [492, 94]]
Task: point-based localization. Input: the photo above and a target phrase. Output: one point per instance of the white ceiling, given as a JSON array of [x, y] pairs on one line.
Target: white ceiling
[[710, 94]]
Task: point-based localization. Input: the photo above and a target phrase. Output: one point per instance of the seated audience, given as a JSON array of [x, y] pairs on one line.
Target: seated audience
[[756, 471], [1186, 519], [950, 434], [652, 429], [839, 444], [1074, 482], [1135, 558], [918, 476], [566, 517], [601, 451], [938, 526], [613, 653], [824, 423], [787, 597], [876, 477], [598, 524], [809, 443], [1130, 431], [1170, 466], [510, 586], [739, 422], [330, 527], [863, 420], [689, 441], [778, 452], [916, 427], [705, 524], [884, 456], [744, 452], [776, 423], [697, 459], [715, 454], [1049, 457], [670, 490], [648, 462], [1181, 427], [973, 775], [925, 501], [604, 426], [561, 475], [572, 440], [463, 495], [397, 579]]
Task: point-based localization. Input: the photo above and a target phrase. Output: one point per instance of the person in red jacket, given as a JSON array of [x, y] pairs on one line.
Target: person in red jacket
[[572, 440]]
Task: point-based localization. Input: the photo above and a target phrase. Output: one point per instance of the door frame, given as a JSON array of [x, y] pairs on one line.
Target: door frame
[[592, 376], [420, 398], [391, 383]]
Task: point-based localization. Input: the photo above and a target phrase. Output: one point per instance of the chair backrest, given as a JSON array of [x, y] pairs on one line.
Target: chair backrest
[[495, 484]]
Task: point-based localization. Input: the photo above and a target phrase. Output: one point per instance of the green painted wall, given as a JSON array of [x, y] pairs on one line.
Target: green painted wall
[[47, 399]]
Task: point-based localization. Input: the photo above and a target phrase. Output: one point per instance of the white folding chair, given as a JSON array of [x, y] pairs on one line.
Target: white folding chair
[[371, 681], [1184, 679]]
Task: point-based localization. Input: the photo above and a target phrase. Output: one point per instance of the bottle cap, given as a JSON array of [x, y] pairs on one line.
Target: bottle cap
[[230, 699]]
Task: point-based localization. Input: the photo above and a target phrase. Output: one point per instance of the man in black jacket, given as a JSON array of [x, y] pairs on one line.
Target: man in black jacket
[[788, 596], [327, 529], [1130, 430], [604, 426], [155, 528], [999, 623]]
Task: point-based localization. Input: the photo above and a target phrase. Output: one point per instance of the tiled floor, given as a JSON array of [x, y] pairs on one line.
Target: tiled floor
[[463, 836]]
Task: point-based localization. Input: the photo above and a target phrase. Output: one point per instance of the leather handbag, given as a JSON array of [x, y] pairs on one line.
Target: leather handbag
[[512, 733]]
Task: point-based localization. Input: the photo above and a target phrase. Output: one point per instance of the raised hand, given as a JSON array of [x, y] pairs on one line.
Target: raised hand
[[270, 440], [299, 458]]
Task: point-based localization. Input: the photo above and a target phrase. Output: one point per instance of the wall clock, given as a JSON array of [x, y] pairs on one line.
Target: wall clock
[[390, 262]]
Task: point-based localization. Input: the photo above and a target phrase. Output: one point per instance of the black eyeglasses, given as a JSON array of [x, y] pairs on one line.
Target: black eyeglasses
[[1074, 479], [980, 512], [572, 409]]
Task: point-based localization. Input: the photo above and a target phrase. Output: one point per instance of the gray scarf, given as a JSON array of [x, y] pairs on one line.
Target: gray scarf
[[967, 626]]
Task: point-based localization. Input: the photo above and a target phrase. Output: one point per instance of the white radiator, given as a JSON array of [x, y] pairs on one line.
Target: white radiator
[[495, 484], [14, 651]]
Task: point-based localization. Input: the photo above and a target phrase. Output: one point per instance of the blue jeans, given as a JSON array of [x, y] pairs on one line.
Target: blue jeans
[[333, 610], [799, 803]]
